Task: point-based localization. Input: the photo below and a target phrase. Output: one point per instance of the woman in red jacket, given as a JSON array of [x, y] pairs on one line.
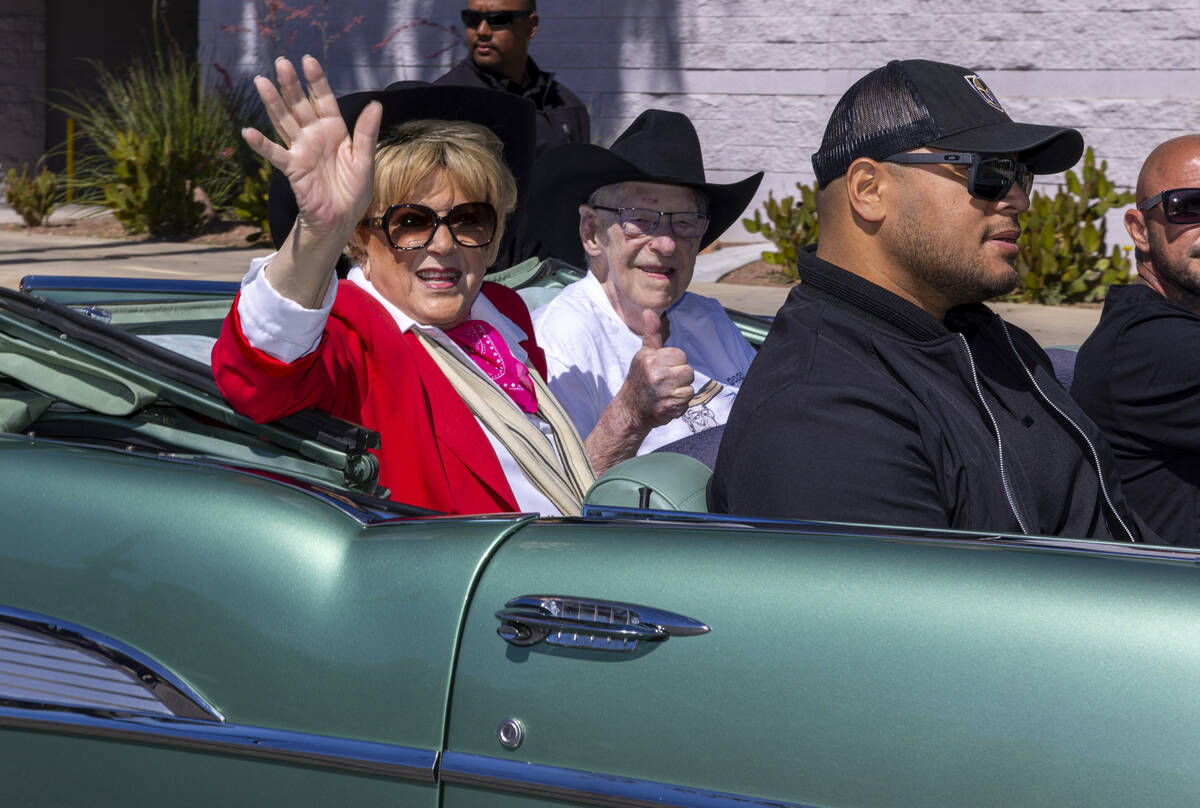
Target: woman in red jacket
[[413, 343]]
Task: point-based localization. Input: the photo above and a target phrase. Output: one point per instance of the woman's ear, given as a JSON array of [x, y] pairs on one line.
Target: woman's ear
[[356, 250]]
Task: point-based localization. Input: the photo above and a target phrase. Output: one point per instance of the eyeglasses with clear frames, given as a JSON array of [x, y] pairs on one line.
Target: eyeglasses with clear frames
[[640, 222]]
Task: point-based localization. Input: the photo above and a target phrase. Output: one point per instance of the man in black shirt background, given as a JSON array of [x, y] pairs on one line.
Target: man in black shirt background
[[1137, 374], [498, 36]]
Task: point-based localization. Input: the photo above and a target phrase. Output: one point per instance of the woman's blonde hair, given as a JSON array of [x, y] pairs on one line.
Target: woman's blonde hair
[[469, 154]]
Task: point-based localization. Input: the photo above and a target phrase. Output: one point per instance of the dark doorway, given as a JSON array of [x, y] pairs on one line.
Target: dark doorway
[[114, 33]]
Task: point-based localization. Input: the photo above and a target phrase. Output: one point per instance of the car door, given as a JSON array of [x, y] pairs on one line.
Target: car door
[[839, 669]]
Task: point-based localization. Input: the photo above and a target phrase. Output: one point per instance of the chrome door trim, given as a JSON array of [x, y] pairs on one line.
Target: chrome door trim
[[611, 791], [570, 621], [363, 757], [621, 515]]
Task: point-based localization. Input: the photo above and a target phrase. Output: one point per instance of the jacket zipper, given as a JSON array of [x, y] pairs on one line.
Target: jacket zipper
[[1091, 447], [1012, 502]]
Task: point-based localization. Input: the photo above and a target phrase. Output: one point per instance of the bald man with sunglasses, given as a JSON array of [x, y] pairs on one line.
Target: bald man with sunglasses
[[886, 392], [1138, 374], [498, 36]]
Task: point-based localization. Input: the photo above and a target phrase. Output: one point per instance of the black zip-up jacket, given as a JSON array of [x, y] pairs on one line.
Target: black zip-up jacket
[[561, 116], [861, 407], [1138, 377]]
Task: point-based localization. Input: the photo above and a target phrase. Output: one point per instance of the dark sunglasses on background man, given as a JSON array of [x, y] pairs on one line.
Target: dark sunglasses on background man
[[1180, 205], [495, 19], [990, 178], [411, 227]]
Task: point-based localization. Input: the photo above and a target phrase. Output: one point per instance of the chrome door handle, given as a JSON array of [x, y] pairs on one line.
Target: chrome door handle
[[600, 625]]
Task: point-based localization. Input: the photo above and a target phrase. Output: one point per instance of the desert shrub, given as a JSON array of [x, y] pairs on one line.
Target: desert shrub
[[31, 197], [251, 205], [1064, 256], [244, 108], [156, 123], [150, 192], [789, 225]]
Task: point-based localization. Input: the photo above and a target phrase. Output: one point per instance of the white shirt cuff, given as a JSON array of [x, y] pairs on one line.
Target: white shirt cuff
[[275, 325]]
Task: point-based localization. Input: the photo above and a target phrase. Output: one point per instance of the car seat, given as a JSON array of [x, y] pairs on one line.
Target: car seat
[[657, 481]]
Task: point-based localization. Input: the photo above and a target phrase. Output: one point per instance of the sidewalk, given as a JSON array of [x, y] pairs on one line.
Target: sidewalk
[[22, 253]]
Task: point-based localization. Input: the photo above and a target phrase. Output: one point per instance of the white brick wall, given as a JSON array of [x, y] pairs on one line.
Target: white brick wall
[[759, 77]]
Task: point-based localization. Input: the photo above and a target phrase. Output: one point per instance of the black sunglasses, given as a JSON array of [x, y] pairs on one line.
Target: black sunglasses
[[1180, 205], [411, 227], [990, 178], [638, 222], [495, 19]]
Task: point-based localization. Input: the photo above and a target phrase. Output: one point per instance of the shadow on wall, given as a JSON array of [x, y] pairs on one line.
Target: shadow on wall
[[641, 52], [431, 40], [618, 56], [600, 50]]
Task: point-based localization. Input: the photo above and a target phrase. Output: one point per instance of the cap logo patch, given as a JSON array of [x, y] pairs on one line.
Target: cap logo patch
[[984, 92]]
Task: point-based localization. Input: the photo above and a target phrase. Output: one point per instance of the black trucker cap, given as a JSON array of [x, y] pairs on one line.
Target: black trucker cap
[[912, 103]]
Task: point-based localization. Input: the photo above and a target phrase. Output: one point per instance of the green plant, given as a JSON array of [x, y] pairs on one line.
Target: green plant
[[789, 225], [150, 191], [244, 108], [1063, 255], [32, 197], [251, 205], [158, 111]]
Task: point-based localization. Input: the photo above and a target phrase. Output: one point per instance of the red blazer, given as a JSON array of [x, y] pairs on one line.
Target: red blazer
[[432, 451]]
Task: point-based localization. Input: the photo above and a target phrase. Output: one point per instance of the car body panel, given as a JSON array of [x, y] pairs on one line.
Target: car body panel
[[280, 610], [347, 645], [49, 769], [845, 670]]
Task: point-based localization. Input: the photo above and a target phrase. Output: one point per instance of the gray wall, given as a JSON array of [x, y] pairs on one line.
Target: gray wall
[[44, 45], [759, 77], [22, 83]]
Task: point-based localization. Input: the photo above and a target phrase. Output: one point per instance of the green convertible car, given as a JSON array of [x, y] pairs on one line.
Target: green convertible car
[[200, 610]]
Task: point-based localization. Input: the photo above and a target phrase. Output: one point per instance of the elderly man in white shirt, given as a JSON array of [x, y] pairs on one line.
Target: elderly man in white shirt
[[635, 359]]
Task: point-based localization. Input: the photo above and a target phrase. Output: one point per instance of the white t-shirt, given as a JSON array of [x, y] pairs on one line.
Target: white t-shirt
[[287, 331], [588, 350]]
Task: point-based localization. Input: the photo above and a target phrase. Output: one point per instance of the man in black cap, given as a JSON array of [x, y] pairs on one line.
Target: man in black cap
[[635, 359], [1137, 374], [886, 392], [498, 36]]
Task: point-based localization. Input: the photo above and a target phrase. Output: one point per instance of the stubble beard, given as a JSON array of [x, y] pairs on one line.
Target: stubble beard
[[956, 274], [1182, 282]]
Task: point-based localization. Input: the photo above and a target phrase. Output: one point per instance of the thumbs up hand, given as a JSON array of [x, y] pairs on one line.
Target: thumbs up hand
[[658, 387]]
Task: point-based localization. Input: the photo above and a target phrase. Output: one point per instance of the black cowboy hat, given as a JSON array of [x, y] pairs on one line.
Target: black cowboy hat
[[510, 117], [659, 146]]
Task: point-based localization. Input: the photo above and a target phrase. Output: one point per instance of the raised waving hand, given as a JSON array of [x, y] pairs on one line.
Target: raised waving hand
[[331, 173]]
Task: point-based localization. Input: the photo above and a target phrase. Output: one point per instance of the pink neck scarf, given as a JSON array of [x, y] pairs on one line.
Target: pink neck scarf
[[487, 349]]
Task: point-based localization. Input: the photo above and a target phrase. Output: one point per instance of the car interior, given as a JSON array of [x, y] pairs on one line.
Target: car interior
[[157, 395]]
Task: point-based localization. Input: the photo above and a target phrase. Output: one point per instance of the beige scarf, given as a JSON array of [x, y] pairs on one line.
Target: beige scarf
[[563, 476]]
